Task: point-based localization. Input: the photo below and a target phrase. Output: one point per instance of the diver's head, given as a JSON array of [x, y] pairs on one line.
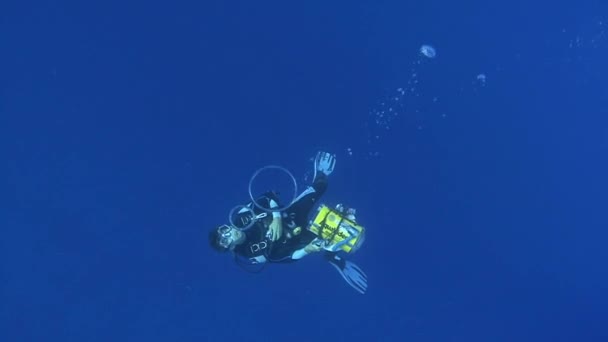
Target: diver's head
[[225, 238]]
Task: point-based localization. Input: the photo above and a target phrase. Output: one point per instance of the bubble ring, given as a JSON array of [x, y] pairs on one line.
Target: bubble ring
[[234, 210], [276, 209]]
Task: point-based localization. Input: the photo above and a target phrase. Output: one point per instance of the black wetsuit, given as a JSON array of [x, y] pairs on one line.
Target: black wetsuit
[[258, 248]]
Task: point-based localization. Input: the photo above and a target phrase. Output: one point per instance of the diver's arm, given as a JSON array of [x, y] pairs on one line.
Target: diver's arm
[[276, 227], [299, 254], [275, 214]]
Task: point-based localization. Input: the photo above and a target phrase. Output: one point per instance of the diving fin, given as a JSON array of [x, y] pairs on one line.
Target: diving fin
[[325, 163], [352, 274]]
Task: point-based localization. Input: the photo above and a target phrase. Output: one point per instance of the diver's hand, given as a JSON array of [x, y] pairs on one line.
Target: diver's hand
[[275, 229], [314, 246]]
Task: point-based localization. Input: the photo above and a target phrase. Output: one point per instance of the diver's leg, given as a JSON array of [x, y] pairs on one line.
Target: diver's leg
[[304, 203], [324, 165]]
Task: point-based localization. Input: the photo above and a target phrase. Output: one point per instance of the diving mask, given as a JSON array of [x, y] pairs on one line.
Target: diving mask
[[226, 235]]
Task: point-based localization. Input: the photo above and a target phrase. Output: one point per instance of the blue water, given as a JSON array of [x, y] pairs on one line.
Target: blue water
[[128, 130]]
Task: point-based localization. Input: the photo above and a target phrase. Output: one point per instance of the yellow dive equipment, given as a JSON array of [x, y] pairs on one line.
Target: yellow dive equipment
[[337, 231]]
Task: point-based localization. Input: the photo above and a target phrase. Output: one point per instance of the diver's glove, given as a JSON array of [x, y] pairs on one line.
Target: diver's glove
[[325, 163], [353, 275]]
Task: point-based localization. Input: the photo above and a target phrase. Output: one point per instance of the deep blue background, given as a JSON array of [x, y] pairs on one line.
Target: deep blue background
[[129, 129]]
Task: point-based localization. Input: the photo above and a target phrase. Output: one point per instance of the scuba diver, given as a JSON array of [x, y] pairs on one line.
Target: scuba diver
[[263, 231]]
